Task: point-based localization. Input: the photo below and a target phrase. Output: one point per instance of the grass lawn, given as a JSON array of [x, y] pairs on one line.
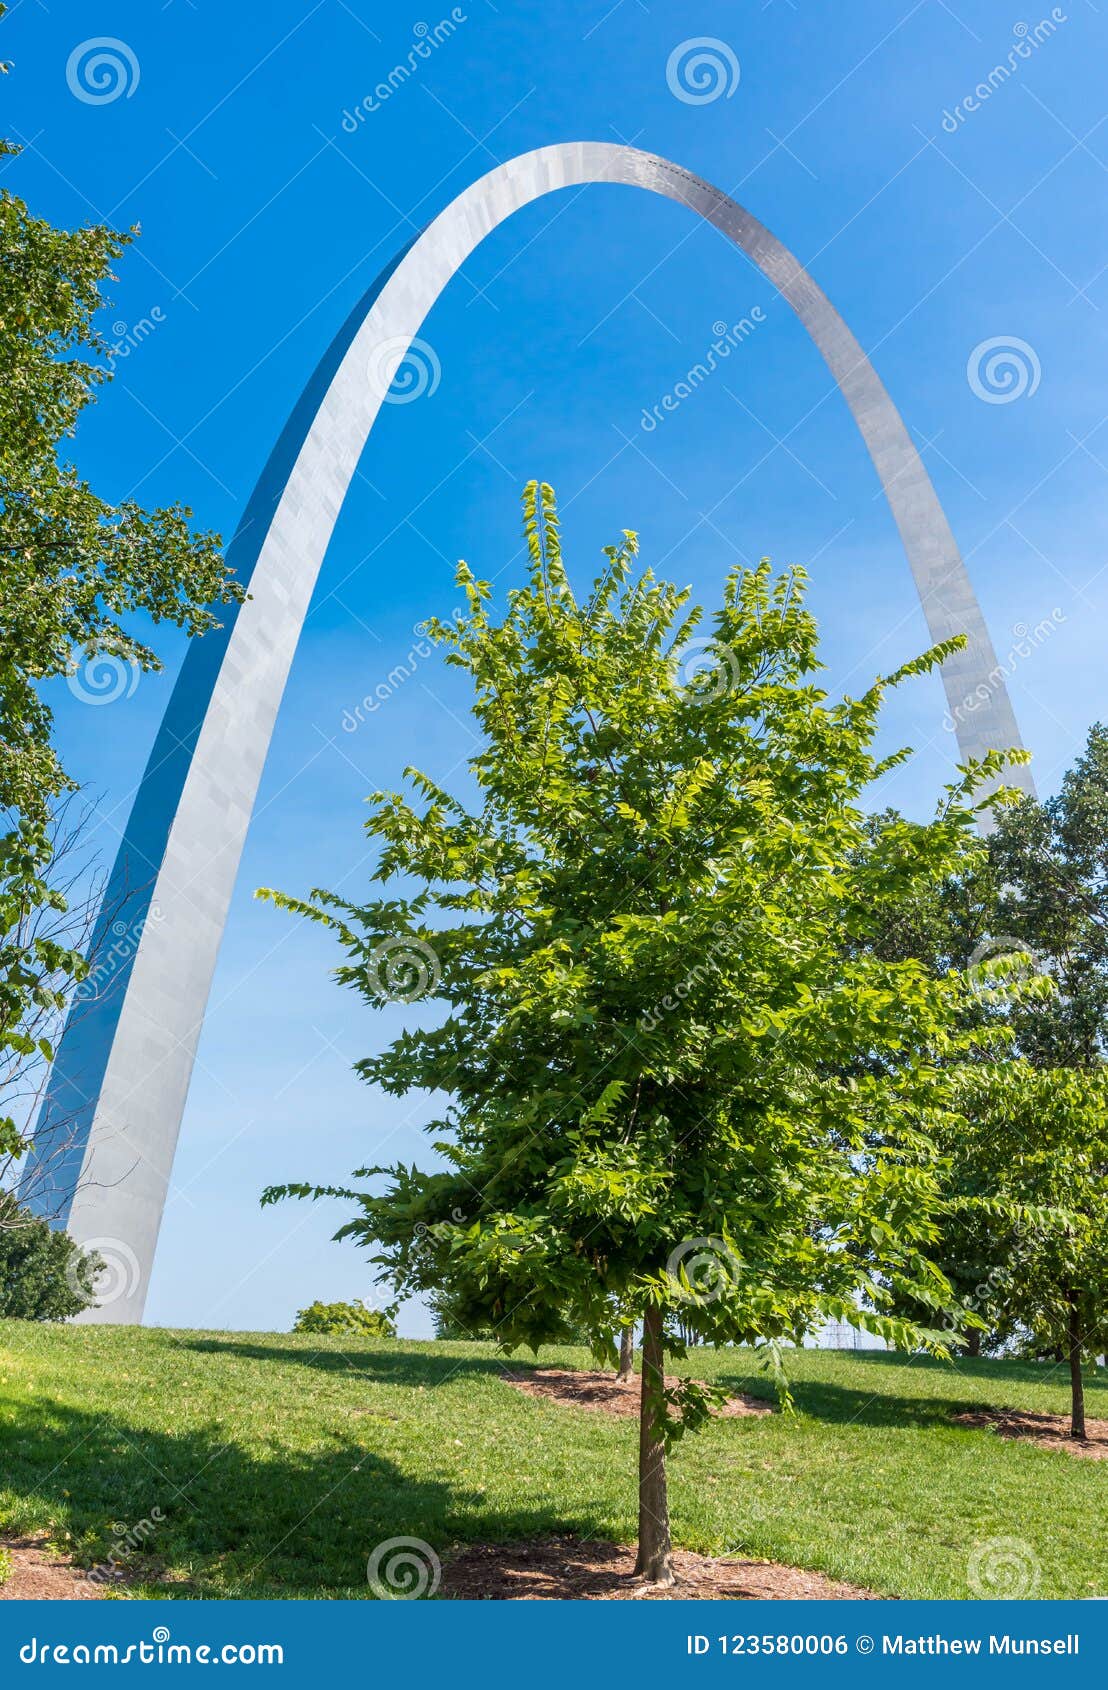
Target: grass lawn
[[279, 1462]]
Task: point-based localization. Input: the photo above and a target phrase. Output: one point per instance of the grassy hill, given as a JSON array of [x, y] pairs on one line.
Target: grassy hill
[[278, 1462]]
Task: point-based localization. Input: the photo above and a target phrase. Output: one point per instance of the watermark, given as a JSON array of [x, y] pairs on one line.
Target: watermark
[[701, 70], [1003, 1569], [458, 1217], [128, 1540], [128, 337], [403, 969], [125, 938], [101, 70], [1003, 368], [1026, 641], [403, 1569], [727, 938], [1028, 38], [993, 982], [117, 1275], [102, 677], [159, 1651], [706, 669], [401, 370], [727, 337], [400, 672], [703, 1270], [991, 1296], [426, 39]]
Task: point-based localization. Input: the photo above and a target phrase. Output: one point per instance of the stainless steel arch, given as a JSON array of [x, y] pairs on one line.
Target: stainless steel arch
[[106, 1139]]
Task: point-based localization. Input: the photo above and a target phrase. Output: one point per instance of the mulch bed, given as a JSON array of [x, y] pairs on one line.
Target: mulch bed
[[567, 1569], [603, 1391], [38, 1575], [1052, 1431]]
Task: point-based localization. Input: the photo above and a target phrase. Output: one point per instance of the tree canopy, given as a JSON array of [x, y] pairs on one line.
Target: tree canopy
[[76, 565], [673, 1096]]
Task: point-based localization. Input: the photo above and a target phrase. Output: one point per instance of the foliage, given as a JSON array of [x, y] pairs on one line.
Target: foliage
[[1036, 891], [7, 1565], [36, 963], [1034, 897], [352, 1319], [74, 564], [646, 988], [43, 1273], [449, 1325], [1034, 1143], [1049, 863]]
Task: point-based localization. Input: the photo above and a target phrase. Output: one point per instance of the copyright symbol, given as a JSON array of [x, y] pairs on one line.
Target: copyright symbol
[[864, 1645]]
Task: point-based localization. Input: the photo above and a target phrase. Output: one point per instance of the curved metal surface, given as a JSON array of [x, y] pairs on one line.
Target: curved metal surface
[[106, 1139]]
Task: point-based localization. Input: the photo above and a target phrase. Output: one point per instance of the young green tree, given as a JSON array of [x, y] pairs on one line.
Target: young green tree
[[1049, 865], [1034, 1143], [1038, 886], [673, 1100]]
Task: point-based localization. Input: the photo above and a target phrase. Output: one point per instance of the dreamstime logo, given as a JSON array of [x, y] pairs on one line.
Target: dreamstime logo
[[706, 669], [130, 336], [992, 983], [1028, 39], [401, 370], [101, 70], [727, 938], [1002, 369], [701, 70], [128, 1541], [125, 938], [102, 677], [1003, 1569], [1026, 641], [403, 1569], [426, 38], [403, 969], [400, 672], [991, 1295], [703, 1270], [727, 337], [379, 1298], [117, 1276], [458, 1217]]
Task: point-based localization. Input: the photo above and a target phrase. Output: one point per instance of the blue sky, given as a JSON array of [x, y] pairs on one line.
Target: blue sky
[[269, 195]]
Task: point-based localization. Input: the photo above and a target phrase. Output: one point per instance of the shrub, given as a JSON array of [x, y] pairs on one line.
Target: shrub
[[43, 1273], [334, 1319]]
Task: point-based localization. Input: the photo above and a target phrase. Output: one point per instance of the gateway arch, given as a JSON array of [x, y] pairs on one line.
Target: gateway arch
[[108, 1129]]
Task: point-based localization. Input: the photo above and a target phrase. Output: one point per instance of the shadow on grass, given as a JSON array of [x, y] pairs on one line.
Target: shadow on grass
[[377, 1361], [227, 1520], [888, 1403], [841, 1404]]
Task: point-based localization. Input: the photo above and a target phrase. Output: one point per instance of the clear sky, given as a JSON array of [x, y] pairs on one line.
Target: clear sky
[[271, 184]]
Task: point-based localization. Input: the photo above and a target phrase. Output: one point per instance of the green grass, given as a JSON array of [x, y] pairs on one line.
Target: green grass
[[279, 1462]]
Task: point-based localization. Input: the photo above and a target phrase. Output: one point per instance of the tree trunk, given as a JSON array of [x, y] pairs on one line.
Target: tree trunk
[[973, 1341], [1075, 1341], [653, 1562], [626, 1355]]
